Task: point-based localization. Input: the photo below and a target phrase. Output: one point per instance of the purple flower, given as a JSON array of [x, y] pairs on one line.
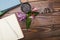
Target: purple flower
[[21, 16]]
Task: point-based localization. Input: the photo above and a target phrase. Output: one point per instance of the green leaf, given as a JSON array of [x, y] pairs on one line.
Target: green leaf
[[28, 20], [35, 13], [28, 23], [29, 14]]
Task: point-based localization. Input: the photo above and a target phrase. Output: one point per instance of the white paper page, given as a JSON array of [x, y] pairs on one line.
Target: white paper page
[[5, 31], [12, 20], [1, 37], [5, 4]]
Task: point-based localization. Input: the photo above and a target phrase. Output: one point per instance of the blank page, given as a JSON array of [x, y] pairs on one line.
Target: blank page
[[6, 32], [13, 22]]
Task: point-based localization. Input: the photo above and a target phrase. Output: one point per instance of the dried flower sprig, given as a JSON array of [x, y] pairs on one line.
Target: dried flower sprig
[[28, 16]]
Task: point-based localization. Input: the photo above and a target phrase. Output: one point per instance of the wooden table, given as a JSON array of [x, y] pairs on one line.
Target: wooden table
[[44, 27]]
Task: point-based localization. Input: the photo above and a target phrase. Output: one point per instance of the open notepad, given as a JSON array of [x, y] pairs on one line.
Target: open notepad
[[10, 28]]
